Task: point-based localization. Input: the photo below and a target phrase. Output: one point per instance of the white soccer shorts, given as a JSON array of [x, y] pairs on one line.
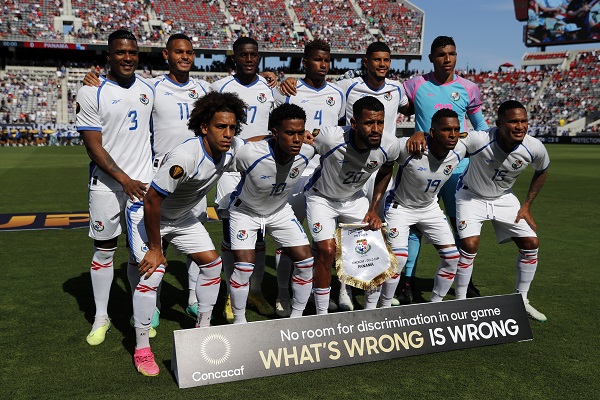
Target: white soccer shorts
[[283, 226], [107, 213], [323, 214], [186, 234], [472, 211], [430, 220]]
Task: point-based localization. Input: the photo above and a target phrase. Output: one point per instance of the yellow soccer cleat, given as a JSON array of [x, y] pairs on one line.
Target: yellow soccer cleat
[[98, 335]]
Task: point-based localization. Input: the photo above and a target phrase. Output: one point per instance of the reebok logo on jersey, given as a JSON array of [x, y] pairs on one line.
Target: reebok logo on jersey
[[168, 93], [261, 97], [117, 101], [454, 96], [330, 101], [242, 235], [265, 177], [176, 172], [388, 96], [144, 99], [294, 172], [421, 169], [448, 170], [304, 101]]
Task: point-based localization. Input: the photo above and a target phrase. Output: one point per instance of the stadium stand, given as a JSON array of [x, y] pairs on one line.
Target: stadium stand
[[99, 19], [30, 19]]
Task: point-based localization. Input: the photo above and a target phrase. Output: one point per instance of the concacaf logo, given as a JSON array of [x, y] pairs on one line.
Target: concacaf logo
[[455, 96], [294, 172], [393, 233], [388, 96], [330, 101], [462, 225], [193, 94], [317, 227], [517, 164], [448, 169], [362, 246], [144, 99], [372, 165], [176, 172], [261, 97], [242, 234], [98, 226]]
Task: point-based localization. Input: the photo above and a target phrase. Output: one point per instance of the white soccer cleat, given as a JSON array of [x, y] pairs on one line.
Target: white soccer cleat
[[283, 307], [533, 313], [345, 301]]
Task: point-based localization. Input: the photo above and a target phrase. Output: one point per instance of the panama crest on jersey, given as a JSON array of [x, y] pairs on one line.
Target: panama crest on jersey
[[144, 99], [388, 96], [517, 164], [362, 246], [317, 227], [261, 97], [462, 225], [242, 234], [393, 233], [330, 101], [98, 226], [294, 172], [371, 165], [192, 94], [448, 169]]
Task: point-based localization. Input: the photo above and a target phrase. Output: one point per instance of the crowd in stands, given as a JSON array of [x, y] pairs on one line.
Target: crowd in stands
[[274, 24]]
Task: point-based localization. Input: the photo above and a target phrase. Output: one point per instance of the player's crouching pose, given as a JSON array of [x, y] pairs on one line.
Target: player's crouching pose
[[349, 156], [413, 201], [188, 172], [269, 169]]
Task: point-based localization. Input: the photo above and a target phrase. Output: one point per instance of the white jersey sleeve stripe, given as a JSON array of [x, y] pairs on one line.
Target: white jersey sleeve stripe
[[159, 189]]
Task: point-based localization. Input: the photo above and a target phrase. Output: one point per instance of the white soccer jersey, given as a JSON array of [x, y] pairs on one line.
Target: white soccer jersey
[[259, 98], [493, 171], [187, 174], [123, 116], [265, 183], [172, 108], [324, 106], [344, 170], [392, 96], [419, 180]]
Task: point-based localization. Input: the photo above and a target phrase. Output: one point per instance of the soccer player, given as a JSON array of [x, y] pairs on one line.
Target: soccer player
[[175, 96], [414, 201], [324, 105], [270, 169], [257, 94], [428, 93], [484, 192], [349, 156], [188, 172], [114, 122]]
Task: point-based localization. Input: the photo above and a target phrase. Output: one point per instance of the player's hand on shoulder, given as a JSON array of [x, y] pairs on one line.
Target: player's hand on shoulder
[[270, 77], [372, 218], [134, 189], [91, 79], [151, 261], [417, 144], [309, 138], [288, 87]]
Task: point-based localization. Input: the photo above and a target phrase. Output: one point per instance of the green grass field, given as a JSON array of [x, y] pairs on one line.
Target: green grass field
[[46, 304]]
